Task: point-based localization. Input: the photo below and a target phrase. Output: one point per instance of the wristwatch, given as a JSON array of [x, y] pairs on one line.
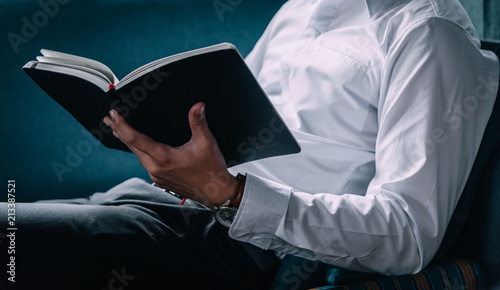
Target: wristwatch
[[227, 212]]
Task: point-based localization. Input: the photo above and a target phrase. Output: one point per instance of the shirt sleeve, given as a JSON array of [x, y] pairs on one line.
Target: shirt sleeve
[[437, 91]]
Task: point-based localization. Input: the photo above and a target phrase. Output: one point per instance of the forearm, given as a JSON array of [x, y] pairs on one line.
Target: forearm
[[365, 233]]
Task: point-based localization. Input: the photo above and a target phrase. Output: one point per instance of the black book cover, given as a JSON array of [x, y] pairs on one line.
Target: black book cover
[[243, 121]]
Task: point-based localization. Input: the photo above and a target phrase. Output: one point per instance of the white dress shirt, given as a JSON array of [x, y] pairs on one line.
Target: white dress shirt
[[389, 100]]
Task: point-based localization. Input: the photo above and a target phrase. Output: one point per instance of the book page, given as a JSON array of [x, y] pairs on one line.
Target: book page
[[50, 56], [87, 74], [169, 59], [70, 64]]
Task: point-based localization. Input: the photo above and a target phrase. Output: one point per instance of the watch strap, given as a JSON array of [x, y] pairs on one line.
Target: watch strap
[[235, 201]]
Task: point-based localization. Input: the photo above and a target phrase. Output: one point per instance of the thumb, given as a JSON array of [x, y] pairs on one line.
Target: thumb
[[198, 122]]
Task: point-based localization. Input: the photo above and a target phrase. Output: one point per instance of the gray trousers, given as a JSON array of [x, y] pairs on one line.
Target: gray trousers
[[134, 236]]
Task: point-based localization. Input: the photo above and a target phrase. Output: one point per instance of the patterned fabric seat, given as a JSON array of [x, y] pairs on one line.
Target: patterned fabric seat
[[450, 274]]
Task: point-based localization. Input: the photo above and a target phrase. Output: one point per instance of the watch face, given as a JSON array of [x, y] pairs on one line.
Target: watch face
[[225, 216]]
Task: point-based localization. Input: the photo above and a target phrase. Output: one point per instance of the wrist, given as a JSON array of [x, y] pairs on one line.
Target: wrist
[[237, 197], [226, 214], [234, 194], [227, 191]]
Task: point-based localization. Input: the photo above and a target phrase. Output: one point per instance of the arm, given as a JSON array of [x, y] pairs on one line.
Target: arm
[[429, 133]]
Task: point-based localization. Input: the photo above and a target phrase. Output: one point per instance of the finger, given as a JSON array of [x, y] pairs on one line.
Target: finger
[[136, 141], [143, 157], [198, 122]]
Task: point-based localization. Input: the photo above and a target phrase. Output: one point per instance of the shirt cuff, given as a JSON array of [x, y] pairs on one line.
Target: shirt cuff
[[261, 211]]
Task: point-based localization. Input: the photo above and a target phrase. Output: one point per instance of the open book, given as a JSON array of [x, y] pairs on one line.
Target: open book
[[155, 99]]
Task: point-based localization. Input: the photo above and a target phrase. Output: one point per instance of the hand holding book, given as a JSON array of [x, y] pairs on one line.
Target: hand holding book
[[196, 170]]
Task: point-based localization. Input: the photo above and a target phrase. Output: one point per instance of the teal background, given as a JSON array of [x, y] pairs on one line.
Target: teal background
[[485, 16]]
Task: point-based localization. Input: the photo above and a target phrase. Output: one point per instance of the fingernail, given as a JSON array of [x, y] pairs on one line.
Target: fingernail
[[106, 121], [112, 114], [201, 111]]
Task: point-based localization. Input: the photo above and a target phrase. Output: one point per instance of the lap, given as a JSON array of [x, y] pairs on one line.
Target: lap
[[135, 228]]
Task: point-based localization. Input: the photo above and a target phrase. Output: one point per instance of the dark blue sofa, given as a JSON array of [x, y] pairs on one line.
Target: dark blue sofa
[[43, 148]]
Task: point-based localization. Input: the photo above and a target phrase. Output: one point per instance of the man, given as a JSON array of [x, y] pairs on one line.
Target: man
[[388, 99]]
